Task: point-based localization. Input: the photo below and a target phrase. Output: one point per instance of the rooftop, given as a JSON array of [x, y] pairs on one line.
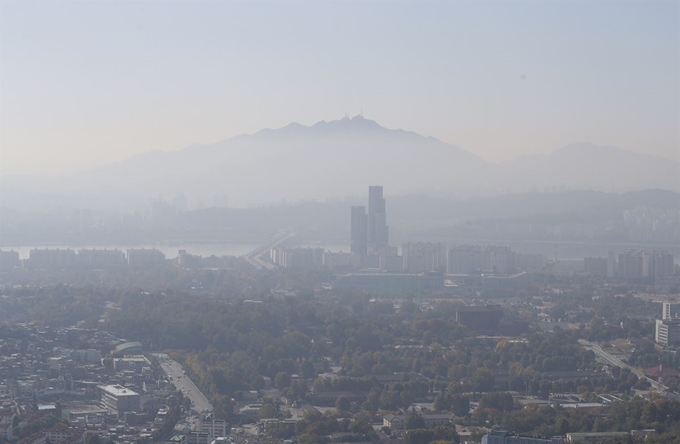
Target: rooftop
[[118, 390]]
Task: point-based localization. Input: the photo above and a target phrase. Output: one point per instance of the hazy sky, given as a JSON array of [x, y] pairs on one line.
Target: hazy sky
[[88, 82]]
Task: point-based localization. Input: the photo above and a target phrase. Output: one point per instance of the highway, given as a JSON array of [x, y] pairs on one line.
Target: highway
[[183, 383], [613, 360]]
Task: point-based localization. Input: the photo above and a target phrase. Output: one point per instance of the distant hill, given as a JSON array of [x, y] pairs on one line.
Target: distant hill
[[587, 166], [335, 159]]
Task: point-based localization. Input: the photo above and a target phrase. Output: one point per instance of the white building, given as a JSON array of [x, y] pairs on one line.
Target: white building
[[118, 399], [671, 310], [215, 428], [667, 331]]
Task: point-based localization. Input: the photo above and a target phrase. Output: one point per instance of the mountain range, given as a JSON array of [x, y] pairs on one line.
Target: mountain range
[[335, 159]]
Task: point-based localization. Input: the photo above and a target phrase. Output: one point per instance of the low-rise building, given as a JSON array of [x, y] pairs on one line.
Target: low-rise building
[[431, 420], [196, 437], [594, 436], [118, 399], [503, 437]]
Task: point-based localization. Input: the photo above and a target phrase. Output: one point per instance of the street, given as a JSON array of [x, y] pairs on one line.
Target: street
[[184, 384]]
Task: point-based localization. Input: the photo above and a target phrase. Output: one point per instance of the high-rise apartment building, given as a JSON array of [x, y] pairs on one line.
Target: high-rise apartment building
[[466, 259], [661, 265], [9, 260], [653, 265], [633, 265], [422, 257], [143, 257]]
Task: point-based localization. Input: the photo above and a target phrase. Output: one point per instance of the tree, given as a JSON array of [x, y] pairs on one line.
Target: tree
[[483, 380], [298, 390], [460, 405], [406, 398], [342, 404], [419, 436], [442, 402], [562, 425], [267, 411], [282, 380], [414, 420], [307, 369], [499, 401]]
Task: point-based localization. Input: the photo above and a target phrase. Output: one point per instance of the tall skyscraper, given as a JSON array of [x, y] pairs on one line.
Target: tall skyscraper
[[378, 232], [359, 231], [369, 237]]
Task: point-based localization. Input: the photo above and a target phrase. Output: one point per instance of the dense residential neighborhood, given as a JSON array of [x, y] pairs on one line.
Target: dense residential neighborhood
[[167, 353]]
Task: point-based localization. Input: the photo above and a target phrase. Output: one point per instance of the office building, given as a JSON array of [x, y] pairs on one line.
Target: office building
[[215, 428], [359, 231], [671, 310], [667, 331], [378, 231], [118, 399], [369, 233]]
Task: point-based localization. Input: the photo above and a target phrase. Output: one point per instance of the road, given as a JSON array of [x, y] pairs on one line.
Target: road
[[255, 257], [183, 383], [613, 360]]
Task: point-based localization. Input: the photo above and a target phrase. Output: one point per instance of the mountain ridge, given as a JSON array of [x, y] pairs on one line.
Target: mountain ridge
[[342, 157]]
